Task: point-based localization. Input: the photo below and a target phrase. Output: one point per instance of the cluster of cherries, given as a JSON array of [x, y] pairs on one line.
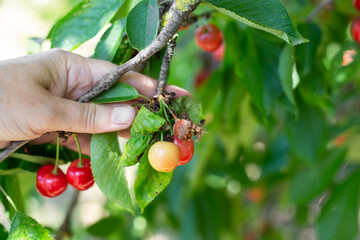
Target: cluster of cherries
[[355, 26], [51, 181], [210, 39], [166, 156]]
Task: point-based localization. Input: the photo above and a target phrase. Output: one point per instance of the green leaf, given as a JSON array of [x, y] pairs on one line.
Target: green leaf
[[120, 92], [149, 182], [142, 23], [286, 67], [110, 41], [187, 105], [306, 53], [308, 134], [11, 185], [83, 22], [269, 16], [35, 158], [311, 181], [339, 216], [105, 226], [249, 72], [3, 233], [144, 126], [108, 173], [24, 227]]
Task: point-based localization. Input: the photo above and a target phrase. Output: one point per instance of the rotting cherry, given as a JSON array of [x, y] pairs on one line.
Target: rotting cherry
[[164, 156], [357, 4], [208, 37], [355, 30], [186, 148], [80, 176], [50, 184], [183, 129]]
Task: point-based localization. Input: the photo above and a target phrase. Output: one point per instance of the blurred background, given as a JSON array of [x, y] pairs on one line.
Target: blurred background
[[251, 177]]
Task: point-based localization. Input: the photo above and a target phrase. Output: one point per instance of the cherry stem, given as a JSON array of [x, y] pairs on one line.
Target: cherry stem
[[80, 164], [55, 171], [8, 198], [166, 116], [163, 102], [162, 136]]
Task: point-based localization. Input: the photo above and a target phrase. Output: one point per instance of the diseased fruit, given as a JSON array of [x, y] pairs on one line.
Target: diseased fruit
[[208, 37], [80, 177], [164, 156], [183, 129], [50, 184], [186, 149], [355, 30]]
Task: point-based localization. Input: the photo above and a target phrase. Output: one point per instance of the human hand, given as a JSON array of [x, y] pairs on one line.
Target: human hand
[[38, 91]]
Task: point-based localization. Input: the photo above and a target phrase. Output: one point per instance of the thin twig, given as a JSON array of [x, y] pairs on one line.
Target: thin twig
[[165, 67], [65, 231], [176, 18], [318, 8]]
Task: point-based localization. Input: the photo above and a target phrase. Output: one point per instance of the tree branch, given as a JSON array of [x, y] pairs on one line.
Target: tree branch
[[65, 231], [177, 16], [165, 67], [318, 8]]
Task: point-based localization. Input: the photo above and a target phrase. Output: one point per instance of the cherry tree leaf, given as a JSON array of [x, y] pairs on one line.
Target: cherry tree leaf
[[149, 182], [270, 16], [25, 227], [109, 174], [120, 92], [110, 41], [142, 23], [144, 126], [83, 22], [339, 216]]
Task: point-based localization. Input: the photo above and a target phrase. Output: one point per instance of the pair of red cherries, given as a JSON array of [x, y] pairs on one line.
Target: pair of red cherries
[[52, 183]]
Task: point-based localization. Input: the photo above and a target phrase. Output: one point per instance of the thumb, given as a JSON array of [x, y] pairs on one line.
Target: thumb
[[91, 118]]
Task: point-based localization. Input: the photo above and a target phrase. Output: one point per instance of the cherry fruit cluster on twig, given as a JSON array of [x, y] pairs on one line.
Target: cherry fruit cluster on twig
[[51, 180]]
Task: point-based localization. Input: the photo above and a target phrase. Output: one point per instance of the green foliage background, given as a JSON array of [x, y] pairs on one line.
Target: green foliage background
[[271, 166]]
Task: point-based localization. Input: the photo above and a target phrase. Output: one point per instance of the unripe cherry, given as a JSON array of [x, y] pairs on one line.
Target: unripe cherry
[[164, 156]]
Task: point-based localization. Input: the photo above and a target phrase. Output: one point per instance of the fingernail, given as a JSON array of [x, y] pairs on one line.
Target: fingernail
[[122, 115]]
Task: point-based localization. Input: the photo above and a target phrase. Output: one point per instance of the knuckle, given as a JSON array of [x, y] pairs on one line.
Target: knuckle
[[89, 114]]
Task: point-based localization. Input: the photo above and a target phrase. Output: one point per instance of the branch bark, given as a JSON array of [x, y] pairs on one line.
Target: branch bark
[[318, 8], [165, 68], [65, 231], [177, 16]]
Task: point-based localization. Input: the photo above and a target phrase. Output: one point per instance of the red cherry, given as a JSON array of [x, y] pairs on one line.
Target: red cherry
[[79, 177], [50, 184], [357, 4], [186, 149], [219, 53], [355, 30], [201, 78], [208, 37]]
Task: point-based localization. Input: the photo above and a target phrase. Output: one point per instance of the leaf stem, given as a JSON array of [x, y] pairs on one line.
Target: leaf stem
[[8, 198], [55, 171], [80, 164]]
